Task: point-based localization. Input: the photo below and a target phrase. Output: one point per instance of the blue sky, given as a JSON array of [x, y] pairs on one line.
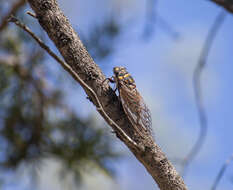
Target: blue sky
[[163, 68]]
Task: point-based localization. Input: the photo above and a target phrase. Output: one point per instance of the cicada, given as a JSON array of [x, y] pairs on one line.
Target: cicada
[[132, 102]]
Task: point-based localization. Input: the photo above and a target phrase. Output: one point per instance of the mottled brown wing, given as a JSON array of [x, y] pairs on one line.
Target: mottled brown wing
[[135, 108]]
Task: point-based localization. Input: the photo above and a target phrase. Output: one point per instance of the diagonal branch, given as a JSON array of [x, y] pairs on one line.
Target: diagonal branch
[[153, 18], [198, 92], [221, 172], [80, 62]]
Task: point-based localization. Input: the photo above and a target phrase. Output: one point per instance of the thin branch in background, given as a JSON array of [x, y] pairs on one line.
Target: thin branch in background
[[153, 18], [221, 172], [198, 92], [151, 15], [15, 7], [166, 27], [75, 75]]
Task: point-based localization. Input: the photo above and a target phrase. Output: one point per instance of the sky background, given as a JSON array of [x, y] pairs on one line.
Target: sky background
[[162, 67]]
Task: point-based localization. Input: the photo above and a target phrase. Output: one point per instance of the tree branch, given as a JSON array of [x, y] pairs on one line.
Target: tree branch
[[76, 56], [221, 172], [226, 4], [153, 19]]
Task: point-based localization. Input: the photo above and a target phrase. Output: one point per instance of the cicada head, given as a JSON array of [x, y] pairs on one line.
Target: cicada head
[[119, 71], [122, 75]]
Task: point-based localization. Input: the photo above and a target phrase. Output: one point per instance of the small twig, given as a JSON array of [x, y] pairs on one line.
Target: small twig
[[168, 28], [32, 14], [221, 172], [197, 90], [15, 7], [153, 18], [75, 75]]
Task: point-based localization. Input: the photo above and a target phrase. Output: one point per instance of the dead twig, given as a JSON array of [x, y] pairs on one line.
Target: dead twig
[[33, 15]]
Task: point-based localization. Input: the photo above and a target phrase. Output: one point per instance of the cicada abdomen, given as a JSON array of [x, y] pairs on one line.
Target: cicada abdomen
[[132, 102]]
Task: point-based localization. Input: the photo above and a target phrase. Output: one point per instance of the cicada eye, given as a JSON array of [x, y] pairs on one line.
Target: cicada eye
[[116, 70]]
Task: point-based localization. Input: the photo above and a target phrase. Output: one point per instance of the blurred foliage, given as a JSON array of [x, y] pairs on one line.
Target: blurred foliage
[[35, 122]]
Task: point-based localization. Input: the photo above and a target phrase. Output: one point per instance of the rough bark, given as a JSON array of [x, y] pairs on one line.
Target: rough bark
[[227, 4], [71, 48]]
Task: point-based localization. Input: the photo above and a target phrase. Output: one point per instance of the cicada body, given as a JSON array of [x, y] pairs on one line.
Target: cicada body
[[132, 102]]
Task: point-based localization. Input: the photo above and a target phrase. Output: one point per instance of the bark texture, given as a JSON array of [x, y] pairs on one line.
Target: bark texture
[[227, 4], [71, 48]]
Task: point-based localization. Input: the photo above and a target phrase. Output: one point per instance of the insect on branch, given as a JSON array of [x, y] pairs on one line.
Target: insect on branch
[[76, 77]]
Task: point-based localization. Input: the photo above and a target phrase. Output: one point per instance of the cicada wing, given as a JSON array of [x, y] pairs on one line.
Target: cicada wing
[[145, 115], [135, 108]]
